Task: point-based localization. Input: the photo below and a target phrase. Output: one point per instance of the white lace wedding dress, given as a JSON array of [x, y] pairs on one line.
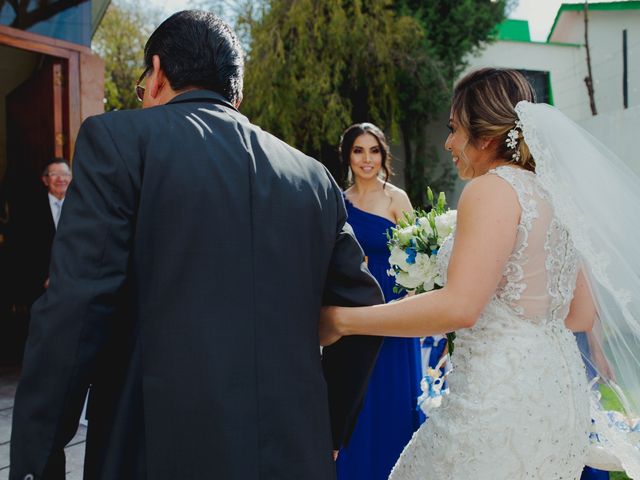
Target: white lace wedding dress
[[518, 407]]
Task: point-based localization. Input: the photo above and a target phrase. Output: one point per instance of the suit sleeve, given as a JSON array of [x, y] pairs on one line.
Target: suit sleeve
[[72, 321], [348, 363]]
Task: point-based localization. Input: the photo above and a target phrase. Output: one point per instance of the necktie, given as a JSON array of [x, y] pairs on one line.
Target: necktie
[[57, 210]]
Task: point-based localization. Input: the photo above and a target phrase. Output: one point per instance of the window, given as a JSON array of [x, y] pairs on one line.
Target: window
[[541, 84]]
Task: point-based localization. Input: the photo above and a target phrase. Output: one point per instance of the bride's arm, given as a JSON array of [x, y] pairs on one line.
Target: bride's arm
[[488, 215], [582, 312]]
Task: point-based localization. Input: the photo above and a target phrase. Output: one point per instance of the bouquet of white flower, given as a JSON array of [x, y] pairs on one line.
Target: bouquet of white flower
[[414, 244]]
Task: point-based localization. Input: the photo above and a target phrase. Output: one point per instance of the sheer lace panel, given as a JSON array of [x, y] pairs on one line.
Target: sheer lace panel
[[540, 275]]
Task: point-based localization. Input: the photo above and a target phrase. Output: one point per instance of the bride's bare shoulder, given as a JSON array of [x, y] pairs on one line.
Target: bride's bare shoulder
[[489, 193]]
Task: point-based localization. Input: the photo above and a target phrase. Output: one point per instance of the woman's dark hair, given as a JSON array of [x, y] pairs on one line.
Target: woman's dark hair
[[346, 144], [198, 49], [484, 104]]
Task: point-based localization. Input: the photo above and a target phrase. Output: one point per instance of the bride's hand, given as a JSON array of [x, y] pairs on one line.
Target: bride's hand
[[328, 328]]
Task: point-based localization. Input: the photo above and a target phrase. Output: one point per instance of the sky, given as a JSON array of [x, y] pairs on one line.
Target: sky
[[539, 13]]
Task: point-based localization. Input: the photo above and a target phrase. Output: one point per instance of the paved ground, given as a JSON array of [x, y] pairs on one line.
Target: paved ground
[[74, 451]]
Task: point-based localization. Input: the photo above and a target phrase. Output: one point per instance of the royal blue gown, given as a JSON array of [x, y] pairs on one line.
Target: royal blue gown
[[389, 415]]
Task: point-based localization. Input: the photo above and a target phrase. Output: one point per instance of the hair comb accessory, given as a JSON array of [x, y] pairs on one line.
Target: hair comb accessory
[[512, 140]]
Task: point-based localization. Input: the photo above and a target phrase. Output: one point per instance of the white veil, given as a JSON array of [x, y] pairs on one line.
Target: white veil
[[597, 197]]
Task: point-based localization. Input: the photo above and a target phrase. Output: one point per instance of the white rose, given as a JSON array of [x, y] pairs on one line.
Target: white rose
[[407, 280], [445, 224], [428, 271], [406, 234], [398, 257], [423, 222]]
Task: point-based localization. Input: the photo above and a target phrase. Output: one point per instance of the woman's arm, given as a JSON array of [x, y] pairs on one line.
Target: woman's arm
[[400, 204], [582, 312], [488, 215]]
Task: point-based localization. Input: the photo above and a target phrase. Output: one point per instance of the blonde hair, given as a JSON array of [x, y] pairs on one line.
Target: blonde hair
[[484, 105]]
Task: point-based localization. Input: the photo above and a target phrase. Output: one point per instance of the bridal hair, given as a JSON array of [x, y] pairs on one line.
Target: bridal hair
[[484, 104], [347, 140]]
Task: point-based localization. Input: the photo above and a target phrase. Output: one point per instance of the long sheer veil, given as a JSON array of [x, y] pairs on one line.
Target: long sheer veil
[[597, 197]]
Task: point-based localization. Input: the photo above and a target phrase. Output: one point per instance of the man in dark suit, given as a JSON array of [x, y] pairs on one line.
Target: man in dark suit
[[34, 228], [188, 271]]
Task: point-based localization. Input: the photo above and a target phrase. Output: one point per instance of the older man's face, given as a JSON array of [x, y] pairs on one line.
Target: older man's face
[[57, 179]]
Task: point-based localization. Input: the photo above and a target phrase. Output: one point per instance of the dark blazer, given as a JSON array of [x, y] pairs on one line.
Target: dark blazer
[[191, 260], [32, 236]]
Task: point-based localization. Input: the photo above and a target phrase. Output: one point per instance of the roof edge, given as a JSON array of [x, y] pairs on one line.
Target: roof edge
[[601, 6]]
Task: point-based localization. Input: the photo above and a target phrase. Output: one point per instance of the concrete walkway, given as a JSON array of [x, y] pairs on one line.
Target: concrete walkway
[[74, 451]]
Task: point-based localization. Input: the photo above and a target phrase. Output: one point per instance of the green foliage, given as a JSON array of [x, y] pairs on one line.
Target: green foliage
[[316, 66], [618, 476], [119, 41]]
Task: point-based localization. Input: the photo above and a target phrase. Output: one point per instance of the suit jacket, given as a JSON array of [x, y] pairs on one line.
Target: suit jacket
[[191, 260], [33, 231]]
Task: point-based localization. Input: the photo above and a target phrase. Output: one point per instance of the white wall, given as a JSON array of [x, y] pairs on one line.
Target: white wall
[[605, 42], [618, 131], [565, 64]]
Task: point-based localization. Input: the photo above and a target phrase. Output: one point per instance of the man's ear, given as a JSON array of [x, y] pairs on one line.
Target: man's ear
[[157, 79], [45, 180]]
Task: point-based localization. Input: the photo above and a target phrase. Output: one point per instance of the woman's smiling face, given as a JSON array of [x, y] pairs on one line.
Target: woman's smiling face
[[366, 156]]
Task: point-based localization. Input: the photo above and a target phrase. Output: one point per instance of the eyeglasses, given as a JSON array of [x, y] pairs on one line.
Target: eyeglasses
[[139, 88], [59, 175]]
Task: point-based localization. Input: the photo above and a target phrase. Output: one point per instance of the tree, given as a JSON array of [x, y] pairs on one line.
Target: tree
[[316, 66], [120, 41]]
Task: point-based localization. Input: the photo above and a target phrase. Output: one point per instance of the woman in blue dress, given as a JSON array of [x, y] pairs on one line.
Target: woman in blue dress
[[389, 416]]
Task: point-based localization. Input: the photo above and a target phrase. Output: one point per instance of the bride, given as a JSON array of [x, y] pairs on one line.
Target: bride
[[521, 273]]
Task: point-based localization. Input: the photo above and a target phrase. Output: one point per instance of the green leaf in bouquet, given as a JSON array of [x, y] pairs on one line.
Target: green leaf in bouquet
[[442, 202], [430, 195], [451, 336], [398, 289], [409, 217], [422, 245]]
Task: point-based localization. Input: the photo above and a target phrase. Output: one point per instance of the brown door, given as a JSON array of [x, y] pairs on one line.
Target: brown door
[[37, 124], [37, 129]]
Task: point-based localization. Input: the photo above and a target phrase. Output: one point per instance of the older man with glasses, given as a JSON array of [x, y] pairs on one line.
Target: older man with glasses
[[56, 177]]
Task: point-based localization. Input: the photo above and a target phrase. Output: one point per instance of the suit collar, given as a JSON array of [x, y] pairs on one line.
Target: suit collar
[[201, 95]]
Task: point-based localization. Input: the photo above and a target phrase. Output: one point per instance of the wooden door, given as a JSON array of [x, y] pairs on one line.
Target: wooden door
[[37, 130]]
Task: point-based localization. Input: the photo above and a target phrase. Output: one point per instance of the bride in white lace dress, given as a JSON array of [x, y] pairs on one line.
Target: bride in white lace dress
[[514, 292]]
